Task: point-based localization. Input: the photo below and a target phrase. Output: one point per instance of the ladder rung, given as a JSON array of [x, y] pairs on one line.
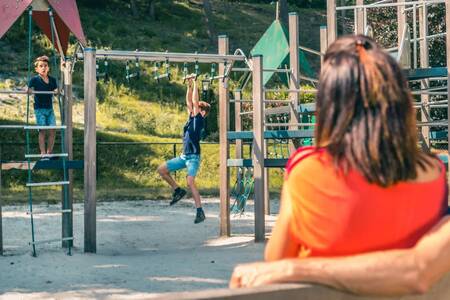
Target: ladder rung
[[44, 127], [52, 241], [46, 155], [48, 183], [63, 211]]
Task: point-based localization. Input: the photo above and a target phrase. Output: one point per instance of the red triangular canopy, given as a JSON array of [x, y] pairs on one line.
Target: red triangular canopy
[[66, 16], [10, 11]]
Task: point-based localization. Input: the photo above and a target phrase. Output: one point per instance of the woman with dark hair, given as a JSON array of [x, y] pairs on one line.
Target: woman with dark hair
[[365, 186]]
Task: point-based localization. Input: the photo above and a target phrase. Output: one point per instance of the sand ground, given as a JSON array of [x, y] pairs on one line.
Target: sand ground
[[144, 248]]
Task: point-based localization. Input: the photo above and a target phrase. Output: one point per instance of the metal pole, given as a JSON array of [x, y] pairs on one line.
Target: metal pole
[[67, 219], [90, 151], [238, 128], [224, 123], [424, 63], [258, 147], [323, 42]]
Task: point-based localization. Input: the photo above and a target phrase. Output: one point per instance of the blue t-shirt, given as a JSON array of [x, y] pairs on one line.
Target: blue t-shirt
[[38, 84], [192, 134]]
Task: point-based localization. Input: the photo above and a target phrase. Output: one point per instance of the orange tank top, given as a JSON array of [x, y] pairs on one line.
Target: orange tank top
[[335, 214]]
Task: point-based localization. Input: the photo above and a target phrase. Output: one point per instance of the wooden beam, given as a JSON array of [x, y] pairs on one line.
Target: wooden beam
[[294, 79], [258, 147], [90, 181], [224, 148], [359, 18], [401, 21], [67, 219], [331, 21]]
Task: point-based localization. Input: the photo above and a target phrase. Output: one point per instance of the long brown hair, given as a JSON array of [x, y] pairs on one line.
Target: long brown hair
[[365, 117]]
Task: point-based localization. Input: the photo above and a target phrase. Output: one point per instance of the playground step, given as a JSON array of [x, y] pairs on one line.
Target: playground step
[[48, 183]]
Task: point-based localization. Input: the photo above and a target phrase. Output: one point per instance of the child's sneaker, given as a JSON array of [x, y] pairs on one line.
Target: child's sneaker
[[177, 195], [200, 217]]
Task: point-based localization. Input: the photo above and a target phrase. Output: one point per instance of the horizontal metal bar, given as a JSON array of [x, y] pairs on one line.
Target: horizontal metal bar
[[311, 51], [48, 183], [44, 127], [46, 155], [309, 79], [433, 123], [395, 4], [431, 93], [240, 101], [236, 69], [63, 211], [22, 92], [289, 124], [162, 56], [287, 101], [290, 91], [11, 126], [52, 241], [432, 106]]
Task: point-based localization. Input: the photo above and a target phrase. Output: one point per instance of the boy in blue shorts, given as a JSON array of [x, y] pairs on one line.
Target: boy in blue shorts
[[43, 104], [190, 159]]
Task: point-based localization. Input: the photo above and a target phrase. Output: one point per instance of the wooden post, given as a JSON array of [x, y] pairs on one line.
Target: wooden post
[[90, 151], [359, 18], [294, 79], [67, 219], [238, 128], [424, 63], [224, 123], [331, 21], [401, 20], [258, 147], [323, 42]]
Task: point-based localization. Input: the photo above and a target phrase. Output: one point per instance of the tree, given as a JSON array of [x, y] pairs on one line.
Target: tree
[[282, 12], [207, 10]]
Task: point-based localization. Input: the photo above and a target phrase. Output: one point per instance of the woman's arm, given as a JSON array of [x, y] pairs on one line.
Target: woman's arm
[[280, 244], [391, 272]]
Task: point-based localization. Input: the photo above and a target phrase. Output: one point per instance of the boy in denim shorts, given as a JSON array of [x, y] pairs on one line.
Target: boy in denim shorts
[[190, 159], [43, 104]]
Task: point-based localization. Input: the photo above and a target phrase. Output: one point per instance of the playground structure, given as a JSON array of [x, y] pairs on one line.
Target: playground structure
[[295, 124], [411, 52]]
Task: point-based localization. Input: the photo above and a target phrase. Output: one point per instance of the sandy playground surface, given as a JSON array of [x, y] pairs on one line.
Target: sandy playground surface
[[144, 248]]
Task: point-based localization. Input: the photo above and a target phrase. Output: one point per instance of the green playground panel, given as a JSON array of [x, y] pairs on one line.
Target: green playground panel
[[416, 74], [274, 47], [439, 135], [268, 162], [271, 134], [58, 164]]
